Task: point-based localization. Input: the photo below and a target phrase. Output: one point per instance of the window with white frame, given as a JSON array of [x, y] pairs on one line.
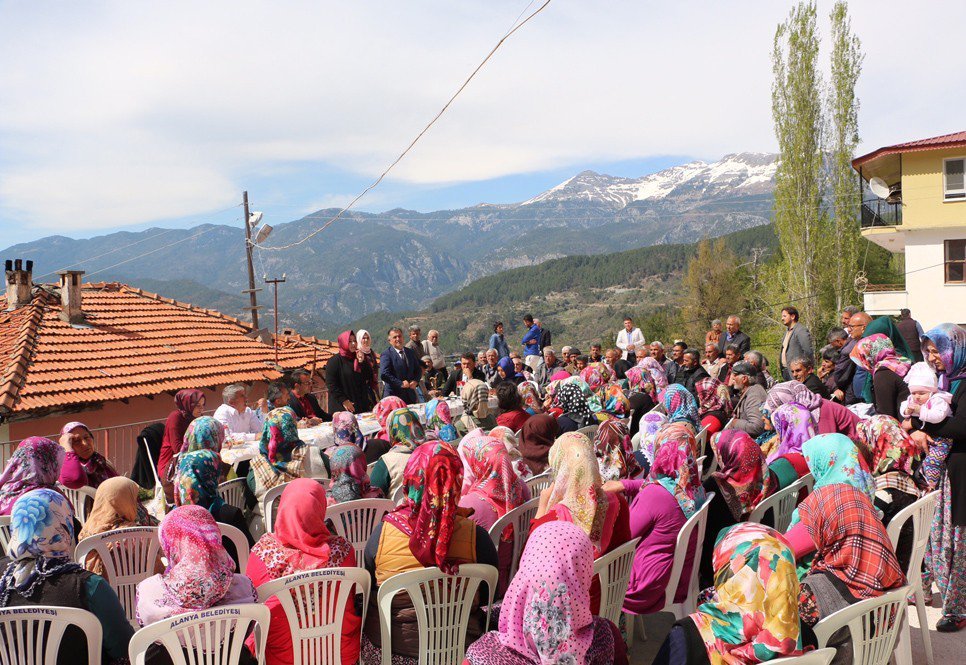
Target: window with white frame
[[955, 261], [954, 179]]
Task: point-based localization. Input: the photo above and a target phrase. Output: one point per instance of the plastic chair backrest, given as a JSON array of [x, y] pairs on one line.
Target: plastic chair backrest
[[238, 539], [873, 626], [921, 513], [702, 440], [696, 525], [214, 636], [356, 520], [314, 603], [31, 635], [78, 498], [398, 495], [232, 492], [519, 518], [129, 557], [443, 604], [782, 504], [614, 570], [711, 467], [4, 533], [817, 657], [270, 501], [539, 483]]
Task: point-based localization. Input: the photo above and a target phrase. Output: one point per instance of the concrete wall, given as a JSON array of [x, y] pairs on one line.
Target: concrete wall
[[931, 300]]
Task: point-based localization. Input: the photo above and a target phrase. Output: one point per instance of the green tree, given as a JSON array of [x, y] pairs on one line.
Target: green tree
[[843, 112], [713, 288]]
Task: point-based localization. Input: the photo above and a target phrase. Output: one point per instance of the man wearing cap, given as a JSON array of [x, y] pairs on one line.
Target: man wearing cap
[[747, 416]]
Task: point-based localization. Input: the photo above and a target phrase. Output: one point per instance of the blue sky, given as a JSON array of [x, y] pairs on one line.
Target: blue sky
[[127, 115]]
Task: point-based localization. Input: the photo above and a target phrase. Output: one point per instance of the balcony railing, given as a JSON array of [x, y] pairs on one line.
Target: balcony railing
[[877, 212]]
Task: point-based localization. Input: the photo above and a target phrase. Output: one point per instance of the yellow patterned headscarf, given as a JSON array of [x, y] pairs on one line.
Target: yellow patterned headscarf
[[577, 484]]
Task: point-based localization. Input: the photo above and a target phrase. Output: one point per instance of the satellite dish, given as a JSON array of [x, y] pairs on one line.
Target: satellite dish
[[880, 188], [254, 219]]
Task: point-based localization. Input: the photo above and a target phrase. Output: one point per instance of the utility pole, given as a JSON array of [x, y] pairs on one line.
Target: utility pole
[[251, 290], [275, 283]]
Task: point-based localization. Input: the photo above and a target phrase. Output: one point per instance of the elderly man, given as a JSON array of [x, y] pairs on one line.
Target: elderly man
[[733, 335], [803, 370], [844, 370], [757, 360], [713, 335], [415, 340], [857, 326], [571, 360], [847, 313], [235, 415], [797, 342], [400, 369], [690, 371], [657, 352], [547, 369], [431, 349], [747, 415], [432, 381], [713, 362], [492, 358]]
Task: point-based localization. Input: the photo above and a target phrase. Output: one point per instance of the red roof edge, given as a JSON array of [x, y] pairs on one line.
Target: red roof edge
[[954, 140]]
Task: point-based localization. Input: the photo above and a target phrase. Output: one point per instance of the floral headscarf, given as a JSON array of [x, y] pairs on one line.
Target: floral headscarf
[[185, 401], [596, 376], [512, 445], [835, 459], [875, 352], [427, 514], [198, 473], [199, 570], [615, 454], [676, 434], [530, 396], [794, 426], [383, 410], [204, 433], [712, 396], [439, 419], [753, 615], [349, 476], [345, 427], [545, 615], [35, 464], [791, 391], [405, 430], [577, 484], [474, 439], [950, 342], [680, 405], [743, 476], [895, 457], [675, 469], [647, 370], [280, 438], [494, 478], [41, 542], [651, 423], [614, 400]]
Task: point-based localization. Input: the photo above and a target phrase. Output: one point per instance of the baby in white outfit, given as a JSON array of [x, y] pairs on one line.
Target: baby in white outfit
[[931, 405]]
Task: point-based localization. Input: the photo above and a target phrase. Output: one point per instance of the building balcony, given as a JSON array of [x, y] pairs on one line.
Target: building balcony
[[879, 213], [882, 299]]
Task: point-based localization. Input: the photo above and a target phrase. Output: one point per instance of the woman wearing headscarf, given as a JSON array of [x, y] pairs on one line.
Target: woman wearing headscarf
[[660, 505], [440, 420], [198, 486], [834, 458], [530, 397], [793, 425], [512, 414], [383, 410], [83, 466], [204, 433], [545, 617], [507, 372], [642, 390], [652, 423], [300, 542], [364, 340], [116, 506], [945, 348], [35, 464], [476, 407], [39, 570], [427, 529], [189, 404], [536, 438], [714, 404], [876, 355], [886, 326], [680, 405], [615, 454], [405, 434], [830, 417], [349, 477], [282, 456], [752, 615], [348, 378], [512, 444], [576, 404], [853, 560]]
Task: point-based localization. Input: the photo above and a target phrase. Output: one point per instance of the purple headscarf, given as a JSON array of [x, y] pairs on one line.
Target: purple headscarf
[[34, 465]]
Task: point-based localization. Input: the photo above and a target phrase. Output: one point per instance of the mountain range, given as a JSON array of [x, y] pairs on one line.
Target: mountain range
[[402, 259]]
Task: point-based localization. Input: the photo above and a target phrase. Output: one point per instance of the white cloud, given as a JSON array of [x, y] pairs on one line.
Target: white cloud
[[123, 113]]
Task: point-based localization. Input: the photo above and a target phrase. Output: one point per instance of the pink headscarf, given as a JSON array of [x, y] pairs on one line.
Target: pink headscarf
[[383, 409], [34, 465], [552, 587], [346, 353], [474, 439], [199, 569]]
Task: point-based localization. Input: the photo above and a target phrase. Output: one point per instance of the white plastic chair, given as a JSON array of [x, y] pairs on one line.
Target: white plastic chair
[[232, 492], [398, 495], [443, 604], [238, 539], [782, 504], [270, 501], [78, 498], [539, 483], [921, 513], [32, 635], [356, 520], [519, 518], [314, 603], [874, 625], [702, 440], [711, 468], [4, 533], [214, 636], [614, 570], [129, 557], [817, 657]]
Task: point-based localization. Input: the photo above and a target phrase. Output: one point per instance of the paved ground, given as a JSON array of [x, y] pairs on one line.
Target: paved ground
[[948, 648]]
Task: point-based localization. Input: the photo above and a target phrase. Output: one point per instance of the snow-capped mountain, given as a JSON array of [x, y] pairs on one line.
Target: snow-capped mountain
[[739, 174]]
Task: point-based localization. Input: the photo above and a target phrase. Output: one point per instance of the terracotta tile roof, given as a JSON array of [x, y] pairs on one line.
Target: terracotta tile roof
[[955, 140], [133, 344]]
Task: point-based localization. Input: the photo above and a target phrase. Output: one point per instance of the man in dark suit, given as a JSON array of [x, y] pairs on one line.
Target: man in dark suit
[[302, 401], [400, 369], [733, 335], [468, 370]]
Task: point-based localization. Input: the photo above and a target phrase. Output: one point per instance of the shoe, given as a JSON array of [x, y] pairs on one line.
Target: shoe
[[950, 625]]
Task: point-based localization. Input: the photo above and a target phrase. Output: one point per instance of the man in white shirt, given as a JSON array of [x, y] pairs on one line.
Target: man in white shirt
[[628, 340], [431, 349], [235, 413]]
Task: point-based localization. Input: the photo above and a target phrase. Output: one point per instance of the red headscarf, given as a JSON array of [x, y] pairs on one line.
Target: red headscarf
[[744, 478], [431, 483], [346, 353], [300, 527]]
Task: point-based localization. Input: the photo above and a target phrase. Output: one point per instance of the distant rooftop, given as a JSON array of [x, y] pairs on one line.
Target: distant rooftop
[[955, 140]]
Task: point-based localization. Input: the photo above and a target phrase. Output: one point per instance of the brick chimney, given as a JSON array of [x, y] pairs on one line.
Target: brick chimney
[[19, 284], [70, 296]]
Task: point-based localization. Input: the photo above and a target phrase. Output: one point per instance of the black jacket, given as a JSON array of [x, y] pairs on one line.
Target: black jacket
[[741, 339], [457, 375], [296, 406], [817, 386], [344, 383]]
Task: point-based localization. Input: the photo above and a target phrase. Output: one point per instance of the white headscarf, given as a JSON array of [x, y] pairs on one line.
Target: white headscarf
[[359, 334]]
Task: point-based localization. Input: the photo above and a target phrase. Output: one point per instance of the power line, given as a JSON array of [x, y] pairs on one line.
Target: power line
[[425, 129], [158, 249]]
